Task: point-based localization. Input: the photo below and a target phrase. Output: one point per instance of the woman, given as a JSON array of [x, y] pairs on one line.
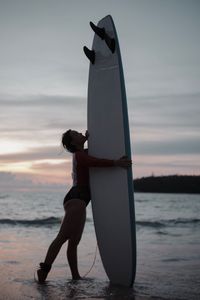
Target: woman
[[75, 202]]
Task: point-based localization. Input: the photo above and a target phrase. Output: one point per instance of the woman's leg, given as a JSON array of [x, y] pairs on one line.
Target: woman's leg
[[72, 259], [70, 228], [53, 250], [57, 243], [79, 222]]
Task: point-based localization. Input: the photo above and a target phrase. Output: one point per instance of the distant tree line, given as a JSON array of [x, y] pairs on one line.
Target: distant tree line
[[168, 184]]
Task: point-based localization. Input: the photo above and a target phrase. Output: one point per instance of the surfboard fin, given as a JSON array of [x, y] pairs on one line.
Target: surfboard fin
[[98, 30], [90, 54], [110, 42]]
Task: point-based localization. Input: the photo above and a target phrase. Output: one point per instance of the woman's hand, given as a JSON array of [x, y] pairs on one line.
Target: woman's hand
[[123, 162]]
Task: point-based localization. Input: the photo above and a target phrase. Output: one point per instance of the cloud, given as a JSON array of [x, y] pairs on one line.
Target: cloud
[[40, 100], [145, 165], [165, 110], [40, 118], [168, 147], [6, 177], [165, 125], [11, 182], [33, 154]]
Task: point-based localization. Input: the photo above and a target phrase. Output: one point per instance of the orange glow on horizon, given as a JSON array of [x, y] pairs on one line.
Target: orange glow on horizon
[[8, 147]]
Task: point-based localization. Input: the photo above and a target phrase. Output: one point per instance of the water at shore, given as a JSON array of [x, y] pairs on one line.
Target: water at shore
[[168, 249]]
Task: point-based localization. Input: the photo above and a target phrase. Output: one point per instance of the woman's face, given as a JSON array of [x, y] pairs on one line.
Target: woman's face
[[77, 138]]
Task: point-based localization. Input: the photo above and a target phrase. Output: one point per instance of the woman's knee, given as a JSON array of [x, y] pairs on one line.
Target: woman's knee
[[61, 239]]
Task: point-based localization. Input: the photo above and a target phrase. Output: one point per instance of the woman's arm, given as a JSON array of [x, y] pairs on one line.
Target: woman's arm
[[90, 161]]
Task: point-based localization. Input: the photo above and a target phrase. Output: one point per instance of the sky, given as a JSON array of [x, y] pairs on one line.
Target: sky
[[44, 78]]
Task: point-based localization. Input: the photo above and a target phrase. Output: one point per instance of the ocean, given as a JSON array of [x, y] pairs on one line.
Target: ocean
[[168, 249]]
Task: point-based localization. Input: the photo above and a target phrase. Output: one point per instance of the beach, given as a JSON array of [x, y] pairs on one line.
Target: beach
[[19, 261], [168, 250]]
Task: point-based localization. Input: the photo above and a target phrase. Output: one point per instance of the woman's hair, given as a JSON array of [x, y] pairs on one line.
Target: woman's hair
[[66, 141]]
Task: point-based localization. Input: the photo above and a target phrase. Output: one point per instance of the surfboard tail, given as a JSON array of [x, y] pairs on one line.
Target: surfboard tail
[[101, 32], [98, 30]]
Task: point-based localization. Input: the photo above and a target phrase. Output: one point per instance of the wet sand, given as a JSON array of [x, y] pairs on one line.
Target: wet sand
[[19, 257]]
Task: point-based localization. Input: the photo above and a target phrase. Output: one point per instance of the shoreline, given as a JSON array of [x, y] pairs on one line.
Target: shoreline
[[23, 249], [22, 286], [167, 251]]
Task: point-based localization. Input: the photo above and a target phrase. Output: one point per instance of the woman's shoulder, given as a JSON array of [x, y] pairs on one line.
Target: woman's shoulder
[[81, 154]]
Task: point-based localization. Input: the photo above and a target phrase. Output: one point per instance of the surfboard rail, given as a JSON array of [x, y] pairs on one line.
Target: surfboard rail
[[112, 190]]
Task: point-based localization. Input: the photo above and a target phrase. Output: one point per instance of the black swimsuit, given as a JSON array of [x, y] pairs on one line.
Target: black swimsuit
[[78, 192]]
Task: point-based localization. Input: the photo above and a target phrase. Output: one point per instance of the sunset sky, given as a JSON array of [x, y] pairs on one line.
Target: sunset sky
[[44, 77]]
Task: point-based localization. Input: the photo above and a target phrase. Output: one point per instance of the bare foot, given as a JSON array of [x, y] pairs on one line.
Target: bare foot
[[77, 277]]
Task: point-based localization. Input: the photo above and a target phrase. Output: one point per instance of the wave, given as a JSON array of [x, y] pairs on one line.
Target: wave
[[168, 223], [35, 223], [143, 223]]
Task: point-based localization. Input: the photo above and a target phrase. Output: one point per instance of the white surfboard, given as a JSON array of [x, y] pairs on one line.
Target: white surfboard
[[111, 188]]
